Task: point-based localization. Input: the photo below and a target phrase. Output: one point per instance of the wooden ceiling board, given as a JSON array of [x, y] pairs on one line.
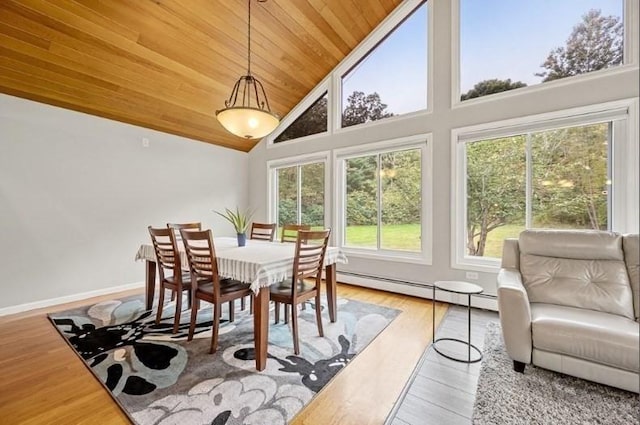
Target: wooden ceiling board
[[169, 65]]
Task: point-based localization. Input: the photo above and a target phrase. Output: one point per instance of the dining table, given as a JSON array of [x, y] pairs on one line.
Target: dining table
[[258, 263]]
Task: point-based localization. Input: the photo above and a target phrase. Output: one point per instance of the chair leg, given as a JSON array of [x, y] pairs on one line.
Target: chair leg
[[277, 304], [251, 303], [232, 311], [286, 313], [194, 314], [189, 301], [176, 320], [303, 306], [173, 295], [319, 315], [294, 327], [214, 330], [160, 305], [518, 366], [243, 304]]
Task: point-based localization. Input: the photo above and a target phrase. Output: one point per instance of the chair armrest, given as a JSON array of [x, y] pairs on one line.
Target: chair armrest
[[515, 315]]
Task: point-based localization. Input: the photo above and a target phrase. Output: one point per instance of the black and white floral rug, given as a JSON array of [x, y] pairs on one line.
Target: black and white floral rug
[[159, 378], [544, 397]]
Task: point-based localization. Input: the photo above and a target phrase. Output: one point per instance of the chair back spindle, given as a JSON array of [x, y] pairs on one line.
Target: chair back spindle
[[263, 231], [290, 232]]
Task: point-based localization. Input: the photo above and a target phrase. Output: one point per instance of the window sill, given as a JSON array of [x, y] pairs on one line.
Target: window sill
[[394, 256], [487, 265]]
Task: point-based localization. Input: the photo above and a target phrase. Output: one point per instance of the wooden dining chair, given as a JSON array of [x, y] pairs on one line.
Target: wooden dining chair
[[196, 225], [176, 228], [206, 283], [290, 232], [311, 247], [263, 231], [169, 271]]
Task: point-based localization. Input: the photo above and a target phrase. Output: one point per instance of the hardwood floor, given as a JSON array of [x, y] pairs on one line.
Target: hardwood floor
[[43, 381]]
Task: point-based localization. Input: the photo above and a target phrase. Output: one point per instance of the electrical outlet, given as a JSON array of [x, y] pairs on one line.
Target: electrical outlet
[[145, 142], [472, 275]]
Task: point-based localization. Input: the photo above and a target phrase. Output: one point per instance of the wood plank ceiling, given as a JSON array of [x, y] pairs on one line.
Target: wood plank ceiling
[[170, 64]]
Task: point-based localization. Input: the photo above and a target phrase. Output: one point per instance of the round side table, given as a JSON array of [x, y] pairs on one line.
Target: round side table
[[467, 289]]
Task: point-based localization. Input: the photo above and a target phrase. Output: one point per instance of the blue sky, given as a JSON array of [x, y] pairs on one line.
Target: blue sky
[[511, 39], [499, 39]]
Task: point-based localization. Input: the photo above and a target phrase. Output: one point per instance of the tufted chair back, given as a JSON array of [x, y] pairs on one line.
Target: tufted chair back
[[583, 269]]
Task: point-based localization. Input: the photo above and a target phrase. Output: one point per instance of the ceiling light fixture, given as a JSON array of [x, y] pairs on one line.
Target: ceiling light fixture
[[247, 112]]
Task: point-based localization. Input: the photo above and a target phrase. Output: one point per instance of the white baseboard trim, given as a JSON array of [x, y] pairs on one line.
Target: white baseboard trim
[[416, 290], [68, 298]]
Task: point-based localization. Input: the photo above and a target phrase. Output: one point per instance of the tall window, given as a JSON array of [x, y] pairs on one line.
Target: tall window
[[311, 121], [300, 194], [382, 206], [392, 78], [531, 42], [555, 178]]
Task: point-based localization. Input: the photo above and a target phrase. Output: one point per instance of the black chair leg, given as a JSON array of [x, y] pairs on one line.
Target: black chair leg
[[518, 366]]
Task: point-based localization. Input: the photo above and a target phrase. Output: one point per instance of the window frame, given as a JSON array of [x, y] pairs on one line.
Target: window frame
[[630, 60], [624, 164], [422, 142], [301, 160]]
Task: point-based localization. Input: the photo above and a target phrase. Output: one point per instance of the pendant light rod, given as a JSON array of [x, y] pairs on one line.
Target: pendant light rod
[[249, 40], [249, 35]]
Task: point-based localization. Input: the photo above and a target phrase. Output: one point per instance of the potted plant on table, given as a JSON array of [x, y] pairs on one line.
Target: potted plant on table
[[240, 221]]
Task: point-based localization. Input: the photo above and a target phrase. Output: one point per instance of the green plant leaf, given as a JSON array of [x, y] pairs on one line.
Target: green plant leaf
[[239, 219]]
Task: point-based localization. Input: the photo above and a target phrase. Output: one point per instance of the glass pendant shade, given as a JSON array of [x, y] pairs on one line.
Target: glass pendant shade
[[247, 113], [252, 123]]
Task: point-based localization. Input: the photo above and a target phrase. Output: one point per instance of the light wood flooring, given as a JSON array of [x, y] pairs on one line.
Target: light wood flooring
[[44, 382], [442, 391]]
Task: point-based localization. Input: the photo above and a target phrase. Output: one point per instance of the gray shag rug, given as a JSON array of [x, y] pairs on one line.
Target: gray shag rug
[[157, 377], [541, 396]]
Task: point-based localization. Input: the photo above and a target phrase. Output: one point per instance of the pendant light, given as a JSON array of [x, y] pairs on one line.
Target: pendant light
[[247, 112]]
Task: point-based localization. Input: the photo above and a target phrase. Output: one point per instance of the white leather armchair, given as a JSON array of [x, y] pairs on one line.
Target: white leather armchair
[[569, 301]]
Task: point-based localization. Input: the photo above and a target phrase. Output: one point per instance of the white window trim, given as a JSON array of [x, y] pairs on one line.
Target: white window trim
[[360, 52], [625, 164], [421, 141], [630, 18], [272, 181]]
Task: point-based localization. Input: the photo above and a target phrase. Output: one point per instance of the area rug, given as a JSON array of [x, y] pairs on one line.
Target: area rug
[[159, 378], [541, 396]]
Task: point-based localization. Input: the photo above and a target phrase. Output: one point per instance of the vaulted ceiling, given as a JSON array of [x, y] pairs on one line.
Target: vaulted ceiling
[[170, 64]]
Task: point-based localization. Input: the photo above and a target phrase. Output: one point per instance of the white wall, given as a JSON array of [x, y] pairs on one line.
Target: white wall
[[563, 94], [77, 193]]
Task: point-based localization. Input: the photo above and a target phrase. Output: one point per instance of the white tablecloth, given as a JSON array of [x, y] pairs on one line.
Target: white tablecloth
[[259, 263]]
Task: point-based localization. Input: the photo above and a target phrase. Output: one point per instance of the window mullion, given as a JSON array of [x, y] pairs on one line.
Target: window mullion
[[299, 195], [609, 175], [528, 184], [379, 179]]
